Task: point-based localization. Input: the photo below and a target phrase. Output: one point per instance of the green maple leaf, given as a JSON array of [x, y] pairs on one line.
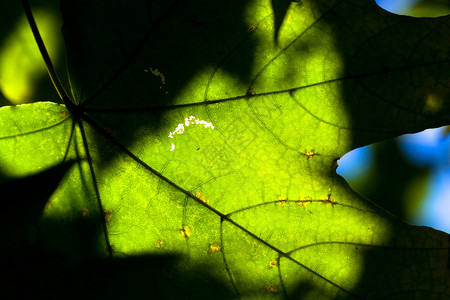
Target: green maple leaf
[[209, 134]]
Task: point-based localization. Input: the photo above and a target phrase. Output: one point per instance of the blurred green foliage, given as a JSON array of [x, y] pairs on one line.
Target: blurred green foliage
[[23, 75]]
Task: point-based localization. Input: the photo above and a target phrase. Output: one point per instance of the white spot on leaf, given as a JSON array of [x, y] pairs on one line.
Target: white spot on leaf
[[191, 120]]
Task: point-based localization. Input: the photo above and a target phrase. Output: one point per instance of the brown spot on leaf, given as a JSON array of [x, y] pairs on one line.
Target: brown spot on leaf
[[84, 213], [108, 215], [64, 114], [270, 288]]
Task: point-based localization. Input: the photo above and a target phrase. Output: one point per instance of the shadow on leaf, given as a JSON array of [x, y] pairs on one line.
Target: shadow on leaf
[[61, 258]]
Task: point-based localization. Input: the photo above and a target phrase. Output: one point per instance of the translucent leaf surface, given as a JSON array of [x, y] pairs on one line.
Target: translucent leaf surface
[[210, 131]]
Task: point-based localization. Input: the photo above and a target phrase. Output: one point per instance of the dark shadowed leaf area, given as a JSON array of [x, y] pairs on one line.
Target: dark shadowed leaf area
[[199, 161]]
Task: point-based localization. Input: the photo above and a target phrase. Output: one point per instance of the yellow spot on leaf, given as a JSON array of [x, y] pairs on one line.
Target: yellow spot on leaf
[[185, 231], [310, 153], [270, 288], [213, 248], [329, 201], [273, 263], [281, 201], [63, 114], [200, 196], [303, 202], [159, 244]]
